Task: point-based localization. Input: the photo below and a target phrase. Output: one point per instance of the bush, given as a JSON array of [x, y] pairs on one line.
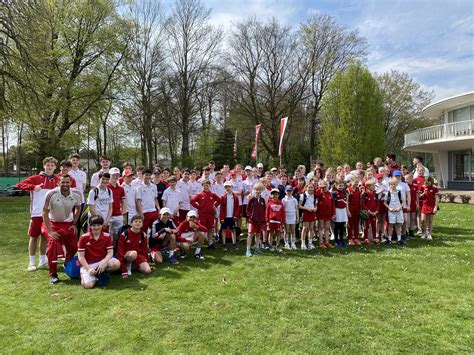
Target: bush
[[465, 198], [450, 197]]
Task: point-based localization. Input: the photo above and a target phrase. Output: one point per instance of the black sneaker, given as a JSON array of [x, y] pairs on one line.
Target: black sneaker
[[224, 248], [199, 256], [388, 242], [234, 247], [400, 243], [211, 246], [54, 279], [182, 254], [173, 260]]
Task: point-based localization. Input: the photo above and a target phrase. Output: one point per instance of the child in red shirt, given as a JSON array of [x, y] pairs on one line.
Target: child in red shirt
[[411, 224], [430, 206], [353, 193], [275, 216], [256, 210], [370, 204], [95, 253], [133, 248], [325, 214], [192, 232]]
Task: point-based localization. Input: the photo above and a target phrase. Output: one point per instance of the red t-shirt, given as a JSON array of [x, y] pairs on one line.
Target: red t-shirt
[[326, 206], [95, 250], [370, 201], [354, 197], [133, 241], [340, 200], [430, 195], [184, 227], [118, 194]]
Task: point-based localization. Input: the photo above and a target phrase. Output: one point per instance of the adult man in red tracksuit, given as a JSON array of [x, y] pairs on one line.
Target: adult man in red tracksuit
[[229, 211], [353, 193], [275, 216], [206, 203], [370, 204]]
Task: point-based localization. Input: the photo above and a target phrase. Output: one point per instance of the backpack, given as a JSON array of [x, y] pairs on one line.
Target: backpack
[[96, 192], [390, 195], [72, 268]]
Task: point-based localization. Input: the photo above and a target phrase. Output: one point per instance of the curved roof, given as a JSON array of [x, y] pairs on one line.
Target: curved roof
[[436, 108]]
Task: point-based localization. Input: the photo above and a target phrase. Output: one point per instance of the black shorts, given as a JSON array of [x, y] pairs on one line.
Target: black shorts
[[228, 223]]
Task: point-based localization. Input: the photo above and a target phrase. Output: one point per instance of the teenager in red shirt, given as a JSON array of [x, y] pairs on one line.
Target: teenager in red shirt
[[353, 193], [325, 214], [370, 204], [229, 211], [206, 203], [256, 209], [95, 253], [192, 232], [119, 204], [132, 248], [275, 217]]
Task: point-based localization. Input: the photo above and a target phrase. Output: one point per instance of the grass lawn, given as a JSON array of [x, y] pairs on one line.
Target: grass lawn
[[419, 298]]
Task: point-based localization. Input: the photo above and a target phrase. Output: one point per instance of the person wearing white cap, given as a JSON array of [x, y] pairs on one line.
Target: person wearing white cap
[[260, 170], [190, 231], [119, 206], [228, 212]]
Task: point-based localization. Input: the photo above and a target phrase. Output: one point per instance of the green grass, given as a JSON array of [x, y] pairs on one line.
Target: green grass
[[418, 298]]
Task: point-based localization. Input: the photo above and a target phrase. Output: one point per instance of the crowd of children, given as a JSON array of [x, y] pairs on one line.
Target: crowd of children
[[142, 216]]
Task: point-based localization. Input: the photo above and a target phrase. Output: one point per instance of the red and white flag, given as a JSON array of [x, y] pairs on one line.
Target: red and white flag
[[283, 123], [254, 150]]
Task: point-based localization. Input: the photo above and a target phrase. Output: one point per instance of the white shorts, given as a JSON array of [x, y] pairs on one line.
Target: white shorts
[[86, 277], [395, 217], [341, 215], [115, 223], [290, 218], [189, 236]]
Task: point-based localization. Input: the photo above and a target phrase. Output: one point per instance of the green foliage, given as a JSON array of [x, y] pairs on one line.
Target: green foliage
[[205, 147], [351, 118], [224, 148], [357, 300]]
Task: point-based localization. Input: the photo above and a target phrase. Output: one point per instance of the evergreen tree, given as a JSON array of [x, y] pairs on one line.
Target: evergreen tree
[[352, 118]]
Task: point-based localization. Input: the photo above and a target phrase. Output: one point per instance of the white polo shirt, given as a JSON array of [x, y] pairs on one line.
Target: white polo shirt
[[60, 206], [238, 187], [185, 188], [95, 178], [172, 198], [248, 184], [230, 205], [102, 202], [81, 180], [131, 196], [147, 194], [218, 189]]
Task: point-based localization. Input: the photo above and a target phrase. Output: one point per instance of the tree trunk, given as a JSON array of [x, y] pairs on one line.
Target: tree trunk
[[4, 149]]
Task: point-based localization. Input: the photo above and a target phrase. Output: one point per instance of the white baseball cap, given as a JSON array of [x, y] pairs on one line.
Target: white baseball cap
[[165, 210], [227, 183], [192, 214], [248, 167], [259, 165], [114, 171], [274, 169]]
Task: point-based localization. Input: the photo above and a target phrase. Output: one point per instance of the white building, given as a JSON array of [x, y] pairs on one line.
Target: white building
[[451, 141]]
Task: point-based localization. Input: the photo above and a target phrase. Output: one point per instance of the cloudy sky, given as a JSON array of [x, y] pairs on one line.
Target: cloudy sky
[[431, 40]]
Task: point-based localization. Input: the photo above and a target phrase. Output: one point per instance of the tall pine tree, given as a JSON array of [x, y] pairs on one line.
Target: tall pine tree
[[352, 118]]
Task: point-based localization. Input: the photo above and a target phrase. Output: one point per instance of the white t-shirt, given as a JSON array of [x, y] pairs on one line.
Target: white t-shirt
[[147, 194], [415, 173], [218, 189], [60, 207], [394, 200], [291, 205], [405, 189], [230, 206], [248, 184], [102, 202], [185, 188], [95, 178], [131, 196], [172, 198], [238, 187], [81, 180], [310, 202]]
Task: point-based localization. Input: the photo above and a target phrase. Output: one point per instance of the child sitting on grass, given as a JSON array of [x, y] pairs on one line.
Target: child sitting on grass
[[95, 253]]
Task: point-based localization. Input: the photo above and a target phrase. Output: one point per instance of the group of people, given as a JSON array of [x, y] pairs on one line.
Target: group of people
[[138, 216]]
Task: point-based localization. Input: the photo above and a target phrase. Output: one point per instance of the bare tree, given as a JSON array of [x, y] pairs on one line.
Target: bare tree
[[192, 49], [328, 47], [266, 61]]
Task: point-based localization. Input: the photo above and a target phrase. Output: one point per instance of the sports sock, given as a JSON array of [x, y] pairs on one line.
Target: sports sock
[[198, 250], [399, 237], [43, 259], [32, 260], [171, 253]]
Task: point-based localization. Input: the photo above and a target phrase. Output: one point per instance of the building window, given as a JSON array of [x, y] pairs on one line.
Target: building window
[[462, 166], [459, 115]]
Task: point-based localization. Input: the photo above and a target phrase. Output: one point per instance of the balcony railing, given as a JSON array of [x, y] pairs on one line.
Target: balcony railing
[[442, 131]]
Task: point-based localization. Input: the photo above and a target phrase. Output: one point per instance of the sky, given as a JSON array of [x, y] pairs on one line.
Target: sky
[[431, 40]]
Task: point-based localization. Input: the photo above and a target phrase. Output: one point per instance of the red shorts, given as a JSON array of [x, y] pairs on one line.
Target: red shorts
[[148, 219], [274, 227], [309, 216], [427, 209], [34, 230], [257, 228], [140, 259], [207, 220], [156, 248]]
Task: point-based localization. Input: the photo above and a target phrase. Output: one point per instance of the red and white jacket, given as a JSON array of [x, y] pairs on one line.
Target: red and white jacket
[[275, 211], [37, 198], [205, 202]]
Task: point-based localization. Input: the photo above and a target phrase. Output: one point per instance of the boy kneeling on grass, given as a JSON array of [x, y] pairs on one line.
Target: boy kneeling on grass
[[132, 248], [163, 239], [95, 253]]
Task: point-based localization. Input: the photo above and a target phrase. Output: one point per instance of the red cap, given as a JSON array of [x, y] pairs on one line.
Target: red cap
[[378, 176], [128, 173], [233, 172]]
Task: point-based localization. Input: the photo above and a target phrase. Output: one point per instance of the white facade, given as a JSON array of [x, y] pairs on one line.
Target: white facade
[[451, 141]]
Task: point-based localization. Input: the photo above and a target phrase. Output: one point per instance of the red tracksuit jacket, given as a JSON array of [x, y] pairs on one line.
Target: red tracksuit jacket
[[223, 212], [133, 241], [370, 201], [256, 210], [275, 211], [354, 198], [184, 227], [205, 202], [326, 206]]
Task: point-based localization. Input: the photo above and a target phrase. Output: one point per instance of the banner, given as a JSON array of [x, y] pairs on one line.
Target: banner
[[283, 123], [254, 150]]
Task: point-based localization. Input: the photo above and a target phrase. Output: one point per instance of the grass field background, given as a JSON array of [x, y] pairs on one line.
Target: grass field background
[[419, 298]]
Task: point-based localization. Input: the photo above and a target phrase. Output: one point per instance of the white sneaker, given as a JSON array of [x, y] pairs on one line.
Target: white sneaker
[[31, 268], [332, 236], [287, 246], [303, 246], [423, 235], [293, 246], [43, 265], [311, 246], [429, 237]]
